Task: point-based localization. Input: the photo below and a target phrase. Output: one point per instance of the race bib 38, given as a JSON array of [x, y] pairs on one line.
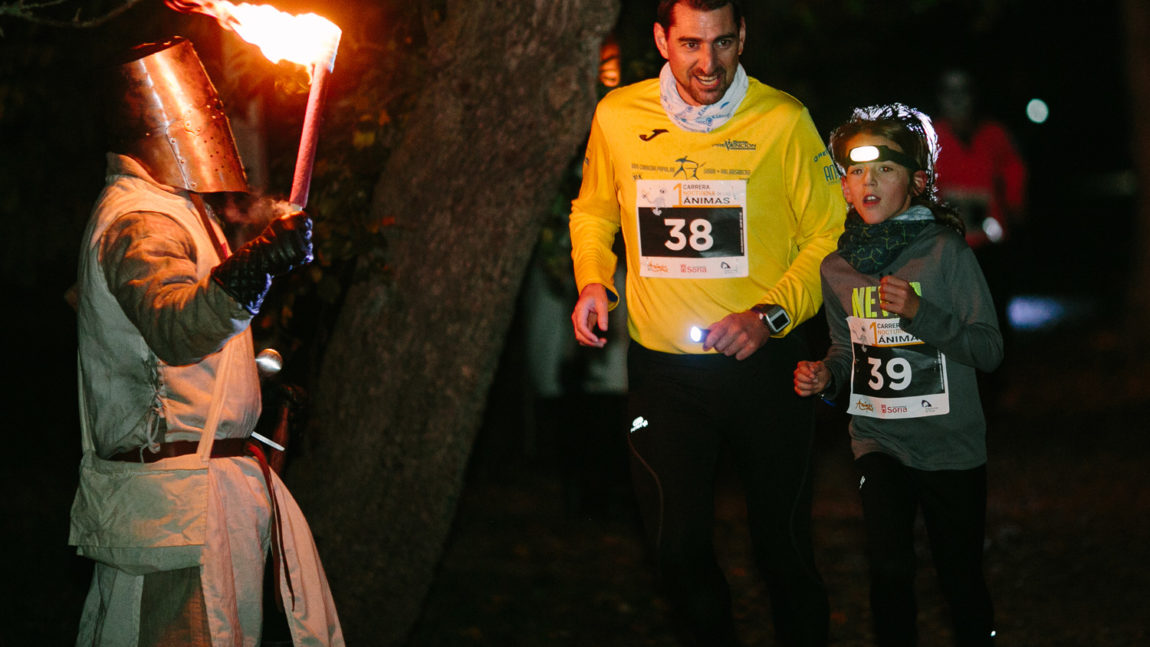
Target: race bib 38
[[692, 229]]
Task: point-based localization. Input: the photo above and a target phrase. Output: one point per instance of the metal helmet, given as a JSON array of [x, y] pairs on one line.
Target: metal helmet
[[166, 114]]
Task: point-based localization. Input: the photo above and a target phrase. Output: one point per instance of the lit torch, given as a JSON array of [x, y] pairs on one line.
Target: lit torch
[[306, 39]]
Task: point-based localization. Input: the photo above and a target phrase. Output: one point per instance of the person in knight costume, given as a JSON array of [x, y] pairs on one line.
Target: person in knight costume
[[176, 504]]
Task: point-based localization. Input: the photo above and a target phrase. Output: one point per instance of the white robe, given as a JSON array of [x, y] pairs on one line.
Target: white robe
[[152, 326]]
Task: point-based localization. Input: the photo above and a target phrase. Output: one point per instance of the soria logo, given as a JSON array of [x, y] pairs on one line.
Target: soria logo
[[653, 134]]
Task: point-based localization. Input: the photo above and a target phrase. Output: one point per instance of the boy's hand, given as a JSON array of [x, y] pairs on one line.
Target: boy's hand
[[895, 295], [811, 378]]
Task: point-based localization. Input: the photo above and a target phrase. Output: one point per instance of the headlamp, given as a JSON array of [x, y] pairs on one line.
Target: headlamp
[[860, 154]]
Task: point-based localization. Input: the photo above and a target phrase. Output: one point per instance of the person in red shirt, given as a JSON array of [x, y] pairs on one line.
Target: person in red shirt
[[980, 171], [982, 175]]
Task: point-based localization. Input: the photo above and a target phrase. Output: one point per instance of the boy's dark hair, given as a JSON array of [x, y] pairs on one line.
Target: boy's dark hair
[[914, 133], [663, 12]]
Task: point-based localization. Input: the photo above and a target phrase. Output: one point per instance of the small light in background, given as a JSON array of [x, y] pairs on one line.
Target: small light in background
[[993, 230], [1037, 111], [269, 362], [1034, 313]]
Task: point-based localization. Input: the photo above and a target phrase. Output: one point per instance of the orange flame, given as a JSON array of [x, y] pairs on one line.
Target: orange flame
[[305, 39]]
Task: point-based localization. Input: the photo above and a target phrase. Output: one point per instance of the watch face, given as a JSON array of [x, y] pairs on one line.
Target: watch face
[[775, 318]]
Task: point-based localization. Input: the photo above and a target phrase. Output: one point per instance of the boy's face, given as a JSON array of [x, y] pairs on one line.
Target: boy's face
[[703, 48], [882, 189]]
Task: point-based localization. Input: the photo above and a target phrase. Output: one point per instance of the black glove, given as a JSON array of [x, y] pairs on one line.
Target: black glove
[[283, 245]]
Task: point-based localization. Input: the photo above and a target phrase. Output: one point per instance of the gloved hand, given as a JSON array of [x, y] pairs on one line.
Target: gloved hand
[[283, 245]]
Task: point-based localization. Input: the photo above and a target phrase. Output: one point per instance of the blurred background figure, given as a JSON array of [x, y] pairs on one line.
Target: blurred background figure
[[979, 168], [982, 174]]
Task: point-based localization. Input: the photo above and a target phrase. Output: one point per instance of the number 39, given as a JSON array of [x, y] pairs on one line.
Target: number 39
[[897, 369]]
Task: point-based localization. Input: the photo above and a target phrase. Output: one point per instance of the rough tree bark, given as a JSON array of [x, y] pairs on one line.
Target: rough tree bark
[[507, 103]]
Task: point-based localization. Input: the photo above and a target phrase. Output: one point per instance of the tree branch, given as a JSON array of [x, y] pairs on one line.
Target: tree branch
[[28, 12]]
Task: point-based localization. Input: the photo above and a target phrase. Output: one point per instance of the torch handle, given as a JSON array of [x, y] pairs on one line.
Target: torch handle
[[305, 157]]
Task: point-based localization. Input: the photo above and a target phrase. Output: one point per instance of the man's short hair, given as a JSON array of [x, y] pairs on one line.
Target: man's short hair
[[664, 11]]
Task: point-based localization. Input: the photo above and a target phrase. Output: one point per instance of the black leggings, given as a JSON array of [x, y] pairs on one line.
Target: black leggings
[[953, 506], [683, 409]]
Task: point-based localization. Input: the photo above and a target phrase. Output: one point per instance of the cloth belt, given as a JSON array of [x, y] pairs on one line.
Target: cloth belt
[[221, 448], [225, 448]]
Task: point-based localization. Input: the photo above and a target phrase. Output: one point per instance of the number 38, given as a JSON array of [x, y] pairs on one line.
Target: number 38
[[700, 238], [897, 370]]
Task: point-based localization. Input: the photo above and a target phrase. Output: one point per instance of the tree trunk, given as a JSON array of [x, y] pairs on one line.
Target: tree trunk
[[1136, 14], [507, 103]]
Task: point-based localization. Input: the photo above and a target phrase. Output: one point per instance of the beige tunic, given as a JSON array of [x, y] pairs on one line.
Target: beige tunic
[[152, 329]]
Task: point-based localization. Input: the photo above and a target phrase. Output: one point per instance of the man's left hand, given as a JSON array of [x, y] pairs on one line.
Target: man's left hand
[[737, 335]]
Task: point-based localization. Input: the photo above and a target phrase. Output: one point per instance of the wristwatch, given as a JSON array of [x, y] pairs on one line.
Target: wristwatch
[[773, 317]]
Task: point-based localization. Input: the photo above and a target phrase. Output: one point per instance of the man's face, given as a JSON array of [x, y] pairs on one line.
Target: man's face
[[703, 48]]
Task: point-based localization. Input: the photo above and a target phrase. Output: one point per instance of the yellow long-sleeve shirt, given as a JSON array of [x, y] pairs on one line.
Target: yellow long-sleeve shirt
[[753, 205]]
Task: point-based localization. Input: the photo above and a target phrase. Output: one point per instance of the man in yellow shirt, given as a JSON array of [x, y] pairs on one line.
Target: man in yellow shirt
[[728, 202]]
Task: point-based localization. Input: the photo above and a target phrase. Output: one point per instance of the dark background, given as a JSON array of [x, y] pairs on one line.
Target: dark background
[[545, 551]]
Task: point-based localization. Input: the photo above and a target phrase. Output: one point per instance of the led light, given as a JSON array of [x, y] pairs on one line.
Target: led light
[[698, 334], [861, 154], [864, 154]]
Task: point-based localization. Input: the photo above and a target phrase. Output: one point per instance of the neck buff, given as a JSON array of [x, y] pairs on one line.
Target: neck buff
[[700, 119], [870, 248]]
